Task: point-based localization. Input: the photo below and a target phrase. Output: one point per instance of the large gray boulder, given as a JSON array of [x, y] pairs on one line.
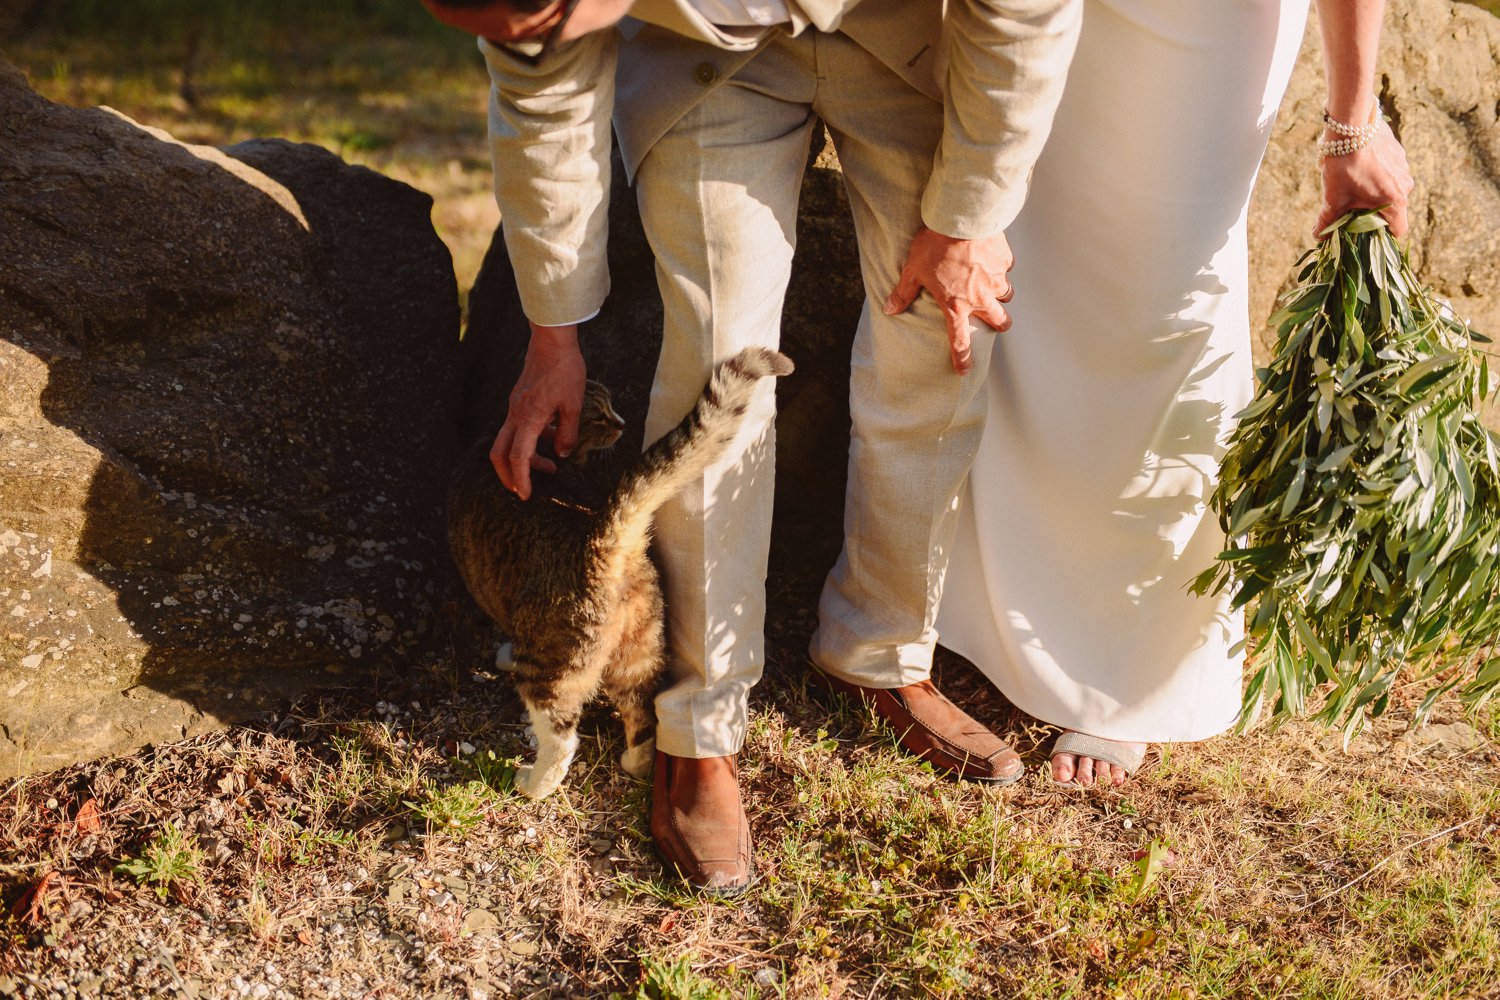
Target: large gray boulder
[[228, 405]]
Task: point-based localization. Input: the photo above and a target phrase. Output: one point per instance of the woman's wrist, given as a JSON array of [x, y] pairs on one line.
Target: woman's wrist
[[1341, 137], [1353, 109]]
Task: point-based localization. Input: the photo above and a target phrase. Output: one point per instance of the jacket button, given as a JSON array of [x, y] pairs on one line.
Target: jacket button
[[705, 73]]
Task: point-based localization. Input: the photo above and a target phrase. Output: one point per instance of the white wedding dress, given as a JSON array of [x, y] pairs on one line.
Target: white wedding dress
[[1112, 394]]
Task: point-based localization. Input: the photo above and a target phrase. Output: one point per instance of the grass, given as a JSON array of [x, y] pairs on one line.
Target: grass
[[391, 89], [171, 861], [1283, 867]]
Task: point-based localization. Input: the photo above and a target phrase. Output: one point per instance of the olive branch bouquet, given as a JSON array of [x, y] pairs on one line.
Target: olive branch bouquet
[[1361, 493]]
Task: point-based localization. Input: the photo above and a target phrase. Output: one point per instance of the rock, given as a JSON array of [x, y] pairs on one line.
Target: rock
[[1450, 736], [1437, 83], [480, 922], [767, 977], [224, 428], [400, 891]]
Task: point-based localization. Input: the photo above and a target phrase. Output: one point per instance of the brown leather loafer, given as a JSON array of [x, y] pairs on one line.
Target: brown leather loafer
[[936, 730], [698, 822]]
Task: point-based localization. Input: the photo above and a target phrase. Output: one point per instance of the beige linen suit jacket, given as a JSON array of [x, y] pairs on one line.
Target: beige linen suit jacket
[[997, 66]]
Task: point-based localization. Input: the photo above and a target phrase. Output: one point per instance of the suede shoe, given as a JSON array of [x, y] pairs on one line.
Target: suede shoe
[[698, 822], [936, 730]]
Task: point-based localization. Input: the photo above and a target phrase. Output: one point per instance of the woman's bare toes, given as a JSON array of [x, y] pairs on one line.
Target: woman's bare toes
[[1085, 771], [1064, 766]]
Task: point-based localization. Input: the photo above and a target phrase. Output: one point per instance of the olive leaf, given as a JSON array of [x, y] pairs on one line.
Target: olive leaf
[[1361, 494]]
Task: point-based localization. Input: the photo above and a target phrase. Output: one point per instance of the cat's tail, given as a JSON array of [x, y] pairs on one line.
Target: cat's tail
[[680, 455]]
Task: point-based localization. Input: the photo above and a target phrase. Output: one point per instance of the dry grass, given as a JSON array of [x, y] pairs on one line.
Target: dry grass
[[344, 848]]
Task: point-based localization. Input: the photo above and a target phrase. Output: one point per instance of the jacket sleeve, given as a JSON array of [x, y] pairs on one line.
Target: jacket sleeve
[[1007, 61], [549, 131]]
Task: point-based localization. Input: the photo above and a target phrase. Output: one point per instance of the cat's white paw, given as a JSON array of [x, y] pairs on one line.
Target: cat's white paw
[[637, 760], [536, 784]]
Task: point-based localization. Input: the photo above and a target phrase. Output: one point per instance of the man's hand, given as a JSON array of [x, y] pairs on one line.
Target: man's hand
[[544, 403], [966, 277], [1374, 177]]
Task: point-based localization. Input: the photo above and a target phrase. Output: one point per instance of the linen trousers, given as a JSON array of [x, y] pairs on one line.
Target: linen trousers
[[718, 200]]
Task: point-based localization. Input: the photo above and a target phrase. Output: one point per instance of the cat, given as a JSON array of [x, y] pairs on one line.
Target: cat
[[573, 587]]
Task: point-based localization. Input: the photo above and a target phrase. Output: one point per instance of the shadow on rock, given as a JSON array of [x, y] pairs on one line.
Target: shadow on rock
[[230, 402]]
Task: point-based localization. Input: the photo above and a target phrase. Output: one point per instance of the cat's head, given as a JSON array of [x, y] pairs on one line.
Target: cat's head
[[599, 426]]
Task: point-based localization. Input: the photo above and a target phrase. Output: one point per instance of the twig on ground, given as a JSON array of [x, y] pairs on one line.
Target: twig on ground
[[1385, 860], [1048, 937]]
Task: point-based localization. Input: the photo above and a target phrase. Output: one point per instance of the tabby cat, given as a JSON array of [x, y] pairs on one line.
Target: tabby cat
[[573, 587]]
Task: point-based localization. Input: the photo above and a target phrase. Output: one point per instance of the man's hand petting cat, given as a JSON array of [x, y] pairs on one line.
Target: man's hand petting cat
[[544, 403], [966, 277]]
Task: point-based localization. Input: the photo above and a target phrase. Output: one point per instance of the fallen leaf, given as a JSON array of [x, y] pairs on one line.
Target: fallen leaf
[[87, 821], [32, 905], [304, 938], [1147, 938], [668, 922]]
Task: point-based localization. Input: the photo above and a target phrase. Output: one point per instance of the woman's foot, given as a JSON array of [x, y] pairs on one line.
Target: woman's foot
[[1082, 760]]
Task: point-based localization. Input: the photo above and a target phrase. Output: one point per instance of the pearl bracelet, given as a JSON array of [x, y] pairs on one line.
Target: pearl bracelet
[[1342, 147], [1352, 137]]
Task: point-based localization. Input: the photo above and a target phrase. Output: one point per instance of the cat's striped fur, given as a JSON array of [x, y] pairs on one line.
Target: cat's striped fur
[[573, 588]]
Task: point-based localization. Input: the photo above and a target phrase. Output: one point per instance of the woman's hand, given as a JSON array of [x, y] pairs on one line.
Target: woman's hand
[[1373, 177]]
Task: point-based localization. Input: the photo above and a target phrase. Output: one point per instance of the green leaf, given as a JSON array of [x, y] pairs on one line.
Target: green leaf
[[1365, 222], [1364, 440], [1149, 866], [1337, 459]]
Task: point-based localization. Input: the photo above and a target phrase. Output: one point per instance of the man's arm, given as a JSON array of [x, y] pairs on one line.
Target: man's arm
[[550, 145], [1007, 63]]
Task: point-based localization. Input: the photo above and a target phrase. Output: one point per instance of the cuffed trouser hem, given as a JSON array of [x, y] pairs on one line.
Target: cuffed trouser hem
[[873, 667], [709, 723]]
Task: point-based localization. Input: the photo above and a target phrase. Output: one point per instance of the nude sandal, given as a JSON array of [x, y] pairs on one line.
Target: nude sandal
[[1084, 745]]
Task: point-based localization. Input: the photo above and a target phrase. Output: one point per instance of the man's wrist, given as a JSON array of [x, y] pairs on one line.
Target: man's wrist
[[555, 337]]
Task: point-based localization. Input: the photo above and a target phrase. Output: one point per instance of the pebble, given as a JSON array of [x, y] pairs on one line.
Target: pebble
[[1451, 735], [400, 890], [766, 977], [480, 922]]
